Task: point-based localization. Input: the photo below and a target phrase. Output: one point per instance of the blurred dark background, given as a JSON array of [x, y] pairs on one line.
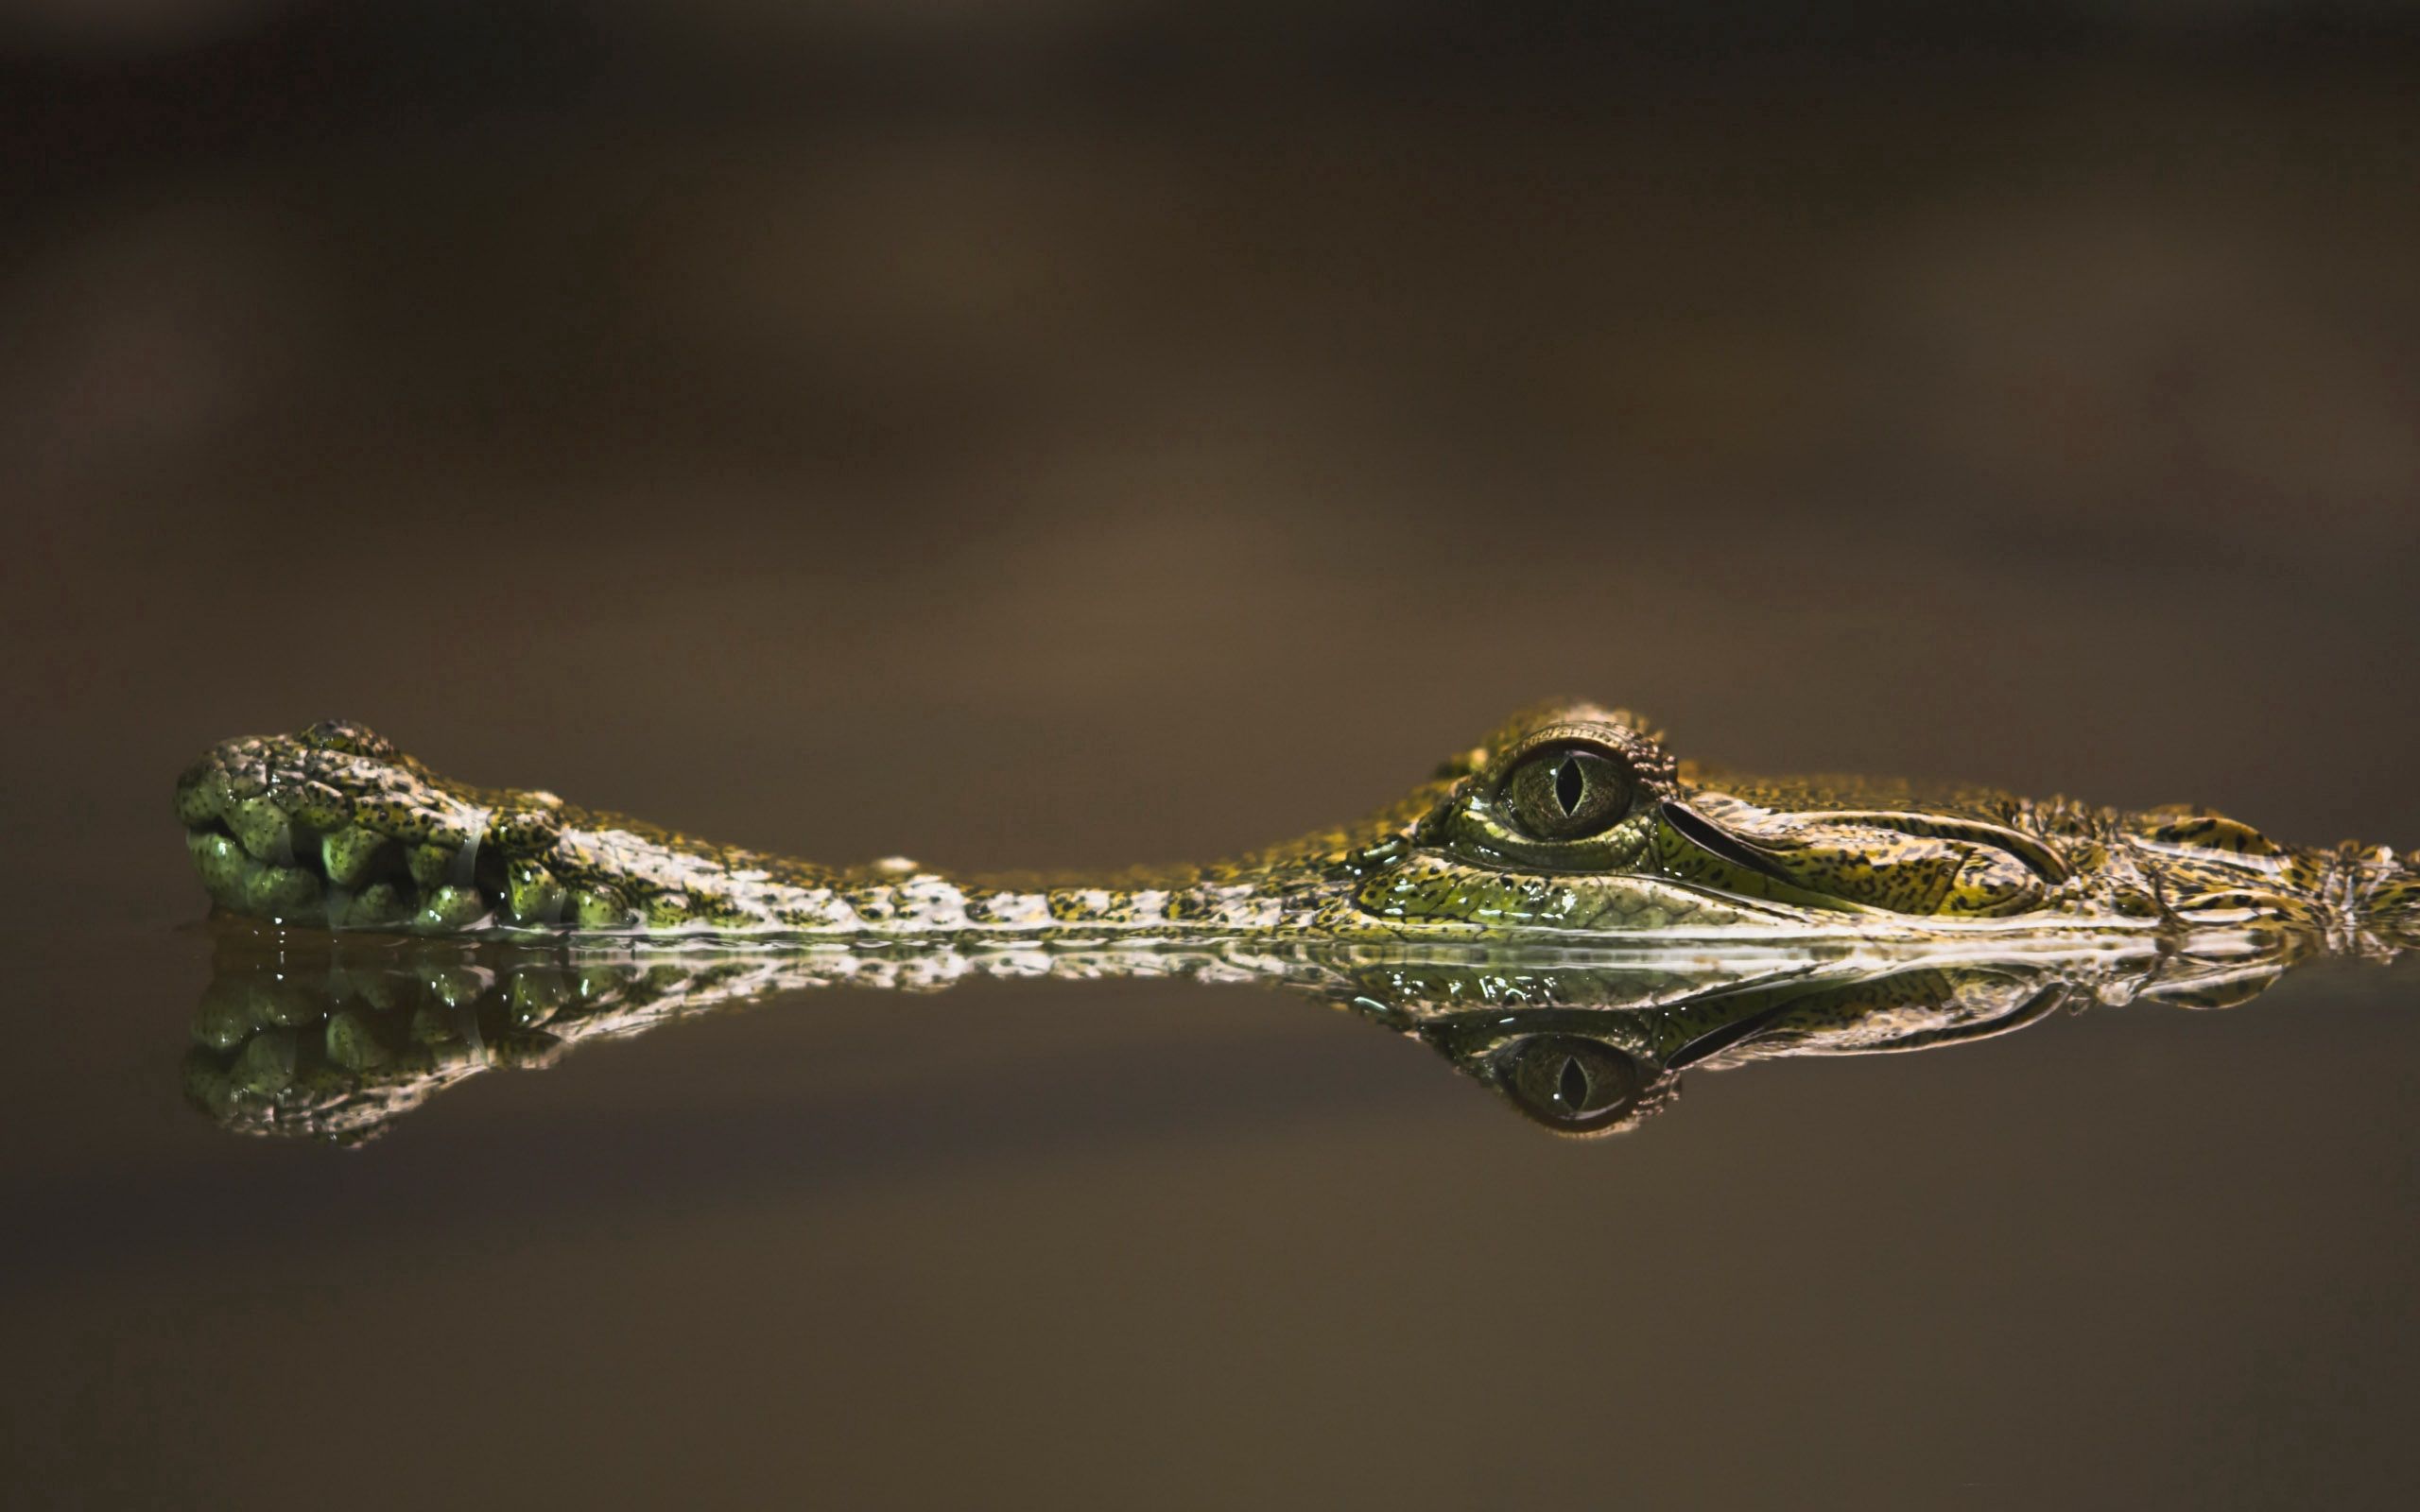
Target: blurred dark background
[[1095, 430], [1205, 415]]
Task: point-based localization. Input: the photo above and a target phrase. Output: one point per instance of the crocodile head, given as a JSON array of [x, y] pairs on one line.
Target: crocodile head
[[1577, 819], [1572, 821]]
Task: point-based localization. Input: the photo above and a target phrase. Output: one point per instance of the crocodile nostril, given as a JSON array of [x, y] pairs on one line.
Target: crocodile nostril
[[1700, 832]]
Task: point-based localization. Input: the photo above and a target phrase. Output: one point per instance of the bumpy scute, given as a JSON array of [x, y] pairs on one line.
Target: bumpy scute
[[335, 827]]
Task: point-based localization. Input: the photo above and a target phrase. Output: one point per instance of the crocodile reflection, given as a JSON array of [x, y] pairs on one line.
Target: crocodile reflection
[[313, 1035]]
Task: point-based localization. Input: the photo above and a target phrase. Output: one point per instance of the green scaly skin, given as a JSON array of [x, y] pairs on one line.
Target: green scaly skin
[[337, 1037], [1571, 823]]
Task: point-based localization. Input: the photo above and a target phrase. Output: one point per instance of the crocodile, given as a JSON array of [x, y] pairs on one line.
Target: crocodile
[[337, 1037], [1572, 822]]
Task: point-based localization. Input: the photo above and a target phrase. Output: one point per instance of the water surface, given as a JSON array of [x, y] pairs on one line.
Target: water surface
[[1119, 1226], [1141, 443]]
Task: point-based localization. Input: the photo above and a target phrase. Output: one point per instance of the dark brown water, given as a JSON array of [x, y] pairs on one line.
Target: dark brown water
[[1129, 439]]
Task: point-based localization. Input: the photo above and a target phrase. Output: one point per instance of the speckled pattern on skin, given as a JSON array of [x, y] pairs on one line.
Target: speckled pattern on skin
[[1572, 822], [336, 1036]]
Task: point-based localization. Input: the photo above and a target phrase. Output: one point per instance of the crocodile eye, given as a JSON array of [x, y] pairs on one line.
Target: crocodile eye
[[1566, 1081], [1566, 793]]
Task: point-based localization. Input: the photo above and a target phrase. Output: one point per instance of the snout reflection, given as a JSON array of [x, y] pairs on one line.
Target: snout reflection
[[306, 1035]]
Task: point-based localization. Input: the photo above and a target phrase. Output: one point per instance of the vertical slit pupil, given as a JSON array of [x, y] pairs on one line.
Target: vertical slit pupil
[[1572, 1086], [1570, 784]]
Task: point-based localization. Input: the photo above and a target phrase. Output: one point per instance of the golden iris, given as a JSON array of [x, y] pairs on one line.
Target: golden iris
[[1566, 793], [1566, 1081]]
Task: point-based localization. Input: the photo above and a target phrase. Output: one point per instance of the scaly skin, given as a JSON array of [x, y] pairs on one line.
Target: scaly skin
[[1571, 823], [335, 1038]]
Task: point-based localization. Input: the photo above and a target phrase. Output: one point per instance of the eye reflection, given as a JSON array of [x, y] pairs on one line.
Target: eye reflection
[[1567, 1082], [301, 1033]]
